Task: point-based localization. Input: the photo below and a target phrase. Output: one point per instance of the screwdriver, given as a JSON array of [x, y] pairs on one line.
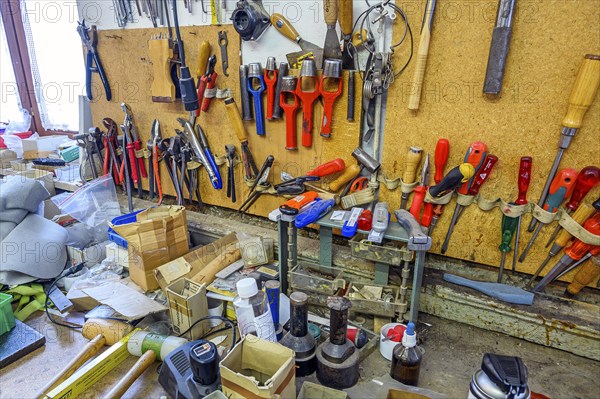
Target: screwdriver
[[575, 252], [582, 95], [588, 178], [509, 226], [523, 185], [584, 276], [475, 155], [580, 215], [419, 195], [410, 170], [592, 254], [562, 187], [453, 180], [442, 151]]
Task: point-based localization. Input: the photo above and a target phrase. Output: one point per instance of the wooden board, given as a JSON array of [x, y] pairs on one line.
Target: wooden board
[[124, 56], [549, 41]]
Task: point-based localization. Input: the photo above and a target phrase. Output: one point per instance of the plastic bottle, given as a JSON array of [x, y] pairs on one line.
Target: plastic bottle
[[252, 311], [406, 361]]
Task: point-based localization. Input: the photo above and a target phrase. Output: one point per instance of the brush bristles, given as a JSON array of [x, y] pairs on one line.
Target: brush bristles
[[358, 198]]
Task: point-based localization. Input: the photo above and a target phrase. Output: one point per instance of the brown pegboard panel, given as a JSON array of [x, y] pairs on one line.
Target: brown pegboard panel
[[549, 41]]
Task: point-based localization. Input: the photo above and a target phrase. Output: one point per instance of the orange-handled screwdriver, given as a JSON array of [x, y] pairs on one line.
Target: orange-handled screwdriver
[[562, 187], [586, 274], [575, 252], [588, 178]]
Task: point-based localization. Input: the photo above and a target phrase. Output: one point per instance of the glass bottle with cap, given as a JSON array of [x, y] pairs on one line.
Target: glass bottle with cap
[[406, 361], [252, 311]]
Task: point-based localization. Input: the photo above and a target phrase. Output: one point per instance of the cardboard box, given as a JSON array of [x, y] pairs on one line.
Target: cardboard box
[[187, 304], [192, 262], [311, 390], [158, 236], [258, 368]]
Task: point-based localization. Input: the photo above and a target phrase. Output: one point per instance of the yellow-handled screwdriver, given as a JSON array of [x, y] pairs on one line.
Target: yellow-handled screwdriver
[[582, 95]]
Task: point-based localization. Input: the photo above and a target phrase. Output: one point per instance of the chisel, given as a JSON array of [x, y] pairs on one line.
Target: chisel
[[494, 74], [410, 170], [582, 95], [331, 48]]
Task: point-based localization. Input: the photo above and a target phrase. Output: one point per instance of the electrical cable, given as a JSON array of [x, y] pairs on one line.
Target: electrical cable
[[71, 270], [178, 34], [223, 319]]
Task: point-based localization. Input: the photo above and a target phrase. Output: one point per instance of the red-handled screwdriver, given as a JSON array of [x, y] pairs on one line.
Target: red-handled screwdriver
[[575, 252], [329, 168], [523, 185], [588, 178], [431, 215], [562, 186], [475, 155]]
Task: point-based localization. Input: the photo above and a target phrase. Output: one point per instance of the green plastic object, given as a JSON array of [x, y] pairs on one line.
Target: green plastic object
[[509, 226], [70, 154], [7, 318]]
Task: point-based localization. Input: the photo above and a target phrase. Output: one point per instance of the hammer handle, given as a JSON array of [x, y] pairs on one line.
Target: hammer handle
[[89, 350], [145, 361]]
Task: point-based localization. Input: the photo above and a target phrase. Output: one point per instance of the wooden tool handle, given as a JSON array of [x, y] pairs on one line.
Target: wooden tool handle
[[203, 55], [89, 350], [207, 274], [330, 11], [588, 272], [145, 361], [345, 16], [584, 91], [285, 27], [421, 65], [580, 216], [411, 164], [350, 173], [162, 85], [236, 120]]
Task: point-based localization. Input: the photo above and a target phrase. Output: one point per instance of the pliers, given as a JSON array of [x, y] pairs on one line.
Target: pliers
[[207, 82], [262, 180], [111, 161], [154, 184], [294, 186], [92, 58]]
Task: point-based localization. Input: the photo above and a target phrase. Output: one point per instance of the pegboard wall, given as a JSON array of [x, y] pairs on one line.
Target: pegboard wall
[[549, 41]]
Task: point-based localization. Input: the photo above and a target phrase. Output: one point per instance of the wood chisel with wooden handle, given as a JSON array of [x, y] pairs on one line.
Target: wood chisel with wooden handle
[[331, 48], [345, 18]]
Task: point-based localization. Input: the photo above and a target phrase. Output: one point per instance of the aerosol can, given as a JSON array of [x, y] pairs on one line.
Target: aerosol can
[[500, 377]]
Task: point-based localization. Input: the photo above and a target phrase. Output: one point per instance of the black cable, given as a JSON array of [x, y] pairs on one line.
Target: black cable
[[178, 34], [223, 319], [66, 273]]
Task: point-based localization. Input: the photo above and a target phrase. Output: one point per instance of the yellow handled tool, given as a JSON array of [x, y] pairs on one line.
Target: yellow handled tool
[[583, 94], [348, 174], [160, 53], [203, 54]]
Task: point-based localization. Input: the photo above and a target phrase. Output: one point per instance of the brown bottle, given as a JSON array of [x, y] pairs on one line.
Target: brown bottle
[[406, 360]]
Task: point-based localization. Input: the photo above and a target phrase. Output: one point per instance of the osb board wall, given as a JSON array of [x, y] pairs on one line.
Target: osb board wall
[[124, 54], [549, 41]]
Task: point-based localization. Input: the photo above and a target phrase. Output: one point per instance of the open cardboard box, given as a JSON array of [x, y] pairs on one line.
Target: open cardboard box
[[193, 262], [259, 368]]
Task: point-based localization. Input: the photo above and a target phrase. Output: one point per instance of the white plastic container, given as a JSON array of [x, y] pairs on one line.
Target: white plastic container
[[252, 311]]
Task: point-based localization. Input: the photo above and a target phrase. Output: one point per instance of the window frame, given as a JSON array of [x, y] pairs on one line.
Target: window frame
[[17, 45]]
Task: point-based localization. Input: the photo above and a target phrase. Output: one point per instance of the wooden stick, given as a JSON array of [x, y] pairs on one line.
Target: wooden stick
[[145, 361], [89, 350], [207, 274], [421, 61]]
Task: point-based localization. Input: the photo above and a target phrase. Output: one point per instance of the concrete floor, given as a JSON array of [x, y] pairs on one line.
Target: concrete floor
[[453, 351]]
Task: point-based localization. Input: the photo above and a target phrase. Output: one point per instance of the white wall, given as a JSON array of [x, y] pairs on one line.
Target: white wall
[[305, 15]]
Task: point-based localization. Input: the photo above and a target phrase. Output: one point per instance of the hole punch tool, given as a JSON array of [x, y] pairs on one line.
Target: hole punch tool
[[256, 87], [260, 184], [332, 71], [308, 73], [92, 57], [270, 76], [289, 102]]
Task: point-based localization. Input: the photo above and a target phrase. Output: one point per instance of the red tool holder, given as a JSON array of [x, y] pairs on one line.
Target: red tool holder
[[329, 98]]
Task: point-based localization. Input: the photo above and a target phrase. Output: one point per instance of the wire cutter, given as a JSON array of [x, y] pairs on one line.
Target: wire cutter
[[262, 181], [207, 82], [92, 58]]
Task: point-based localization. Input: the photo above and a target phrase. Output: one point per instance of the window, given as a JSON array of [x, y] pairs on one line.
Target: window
[[47, 60], [11, 102]]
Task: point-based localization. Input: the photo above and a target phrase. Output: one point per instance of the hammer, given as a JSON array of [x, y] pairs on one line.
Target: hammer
[[150, 347], [365, 161], [100, 332]]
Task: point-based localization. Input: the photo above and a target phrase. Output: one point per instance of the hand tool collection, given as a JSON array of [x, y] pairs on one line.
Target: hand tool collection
[[316, 75]]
